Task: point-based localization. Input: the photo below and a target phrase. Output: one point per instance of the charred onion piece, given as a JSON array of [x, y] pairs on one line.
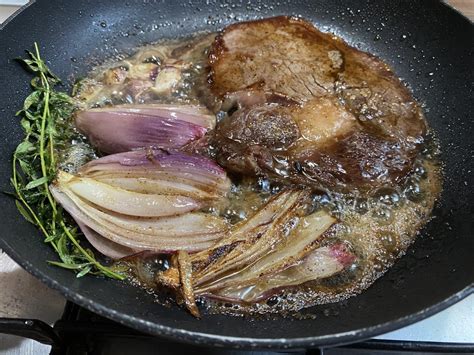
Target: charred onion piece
[[185, 277], [304, 238], [178, 278], [248, 240], [273, 240], [123, 128]]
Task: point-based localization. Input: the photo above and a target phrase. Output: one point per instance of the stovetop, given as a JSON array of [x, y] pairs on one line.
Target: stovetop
[[81, 332]]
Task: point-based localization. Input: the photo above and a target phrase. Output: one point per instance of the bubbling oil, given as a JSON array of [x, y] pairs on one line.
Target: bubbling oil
[[378, 228]]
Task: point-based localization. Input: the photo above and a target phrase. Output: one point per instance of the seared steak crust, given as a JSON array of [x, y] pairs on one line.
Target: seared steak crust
[[318, 112]]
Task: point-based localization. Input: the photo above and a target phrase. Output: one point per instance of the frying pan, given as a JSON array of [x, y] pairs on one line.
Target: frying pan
[[427, 43]]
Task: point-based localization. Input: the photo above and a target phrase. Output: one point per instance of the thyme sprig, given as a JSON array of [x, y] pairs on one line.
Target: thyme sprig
[[45, 120]]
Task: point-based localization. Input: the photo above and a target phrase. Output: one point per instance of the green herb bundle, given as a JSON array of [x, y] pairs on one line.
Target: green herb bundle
[[45, 119]]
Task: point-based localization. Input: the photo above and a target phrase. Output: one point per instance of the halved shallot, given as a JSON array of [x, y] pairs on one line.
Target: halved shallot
[[104, 245], [161, 172], [277, 247], [162, 234], [290, 250], [127, 202], [130, 202], [124, 128], [198, 115]]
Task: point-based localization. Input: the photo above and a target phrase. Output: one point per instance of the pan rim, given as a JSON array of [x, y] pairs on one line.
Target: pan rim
[[235, 342], [16, 13]]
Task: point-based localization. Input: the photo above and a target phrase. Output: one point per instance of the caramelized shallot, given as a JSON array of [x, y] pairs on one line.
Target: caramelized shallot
[[276, 247], [145, 200]]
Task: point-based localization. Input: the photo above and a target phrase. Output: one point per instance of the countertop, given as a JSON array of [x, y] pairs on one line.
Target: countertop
[[466, 7], [24, 296]]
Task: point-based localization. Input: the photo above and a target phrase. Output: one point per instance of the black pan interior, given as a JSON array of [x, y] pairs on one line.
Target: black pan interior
[[428, 44]]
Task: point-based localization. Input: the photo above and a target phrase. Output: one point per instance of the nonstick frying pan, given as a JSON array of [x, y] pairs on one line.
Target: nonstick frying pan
[[427, 43]]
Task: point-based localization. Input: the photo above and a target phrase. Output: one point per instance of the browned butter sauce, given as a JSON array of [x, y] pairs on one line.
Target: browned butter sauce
[[379, 228]]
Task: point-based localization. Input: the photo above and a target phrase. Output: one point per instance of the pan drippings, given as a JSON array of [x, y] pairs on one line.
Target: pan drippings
[[377, 220]]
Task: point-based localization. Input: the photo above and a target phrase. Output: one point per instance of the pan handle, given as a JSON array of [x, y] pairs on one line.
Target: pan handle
[[30, 328]]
